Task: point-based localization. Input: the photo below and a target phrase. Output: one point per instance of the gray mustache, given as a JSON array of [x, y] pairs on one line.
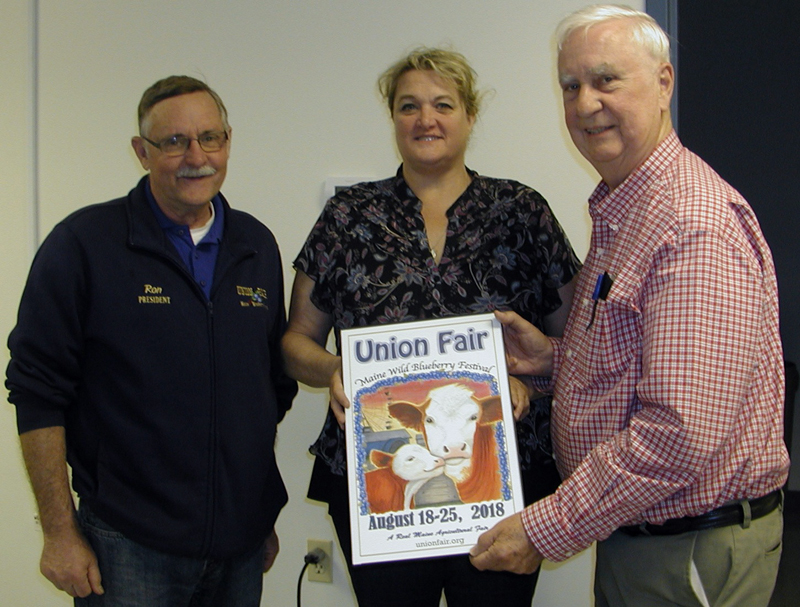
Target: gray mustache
[[205, 171]]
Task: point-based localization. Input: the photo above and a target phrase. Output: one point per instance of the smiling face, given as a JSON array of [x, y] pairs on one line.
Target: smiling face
[[616, 98], [431, 125], [183, 185]]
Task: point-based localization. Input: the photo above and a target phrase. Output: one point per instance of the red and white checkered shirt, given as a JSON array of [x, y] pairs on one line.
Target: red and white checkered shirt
[[669, 402]]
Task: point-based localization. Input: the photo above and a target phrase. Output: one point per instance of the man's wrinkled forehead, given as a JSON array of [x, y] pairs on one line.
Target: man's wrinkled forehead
[[154, 113], [604, 49]]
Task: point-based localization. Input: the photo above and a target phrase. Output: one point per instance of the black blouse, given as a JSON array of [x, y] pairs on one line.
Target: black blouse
[[369, 258]]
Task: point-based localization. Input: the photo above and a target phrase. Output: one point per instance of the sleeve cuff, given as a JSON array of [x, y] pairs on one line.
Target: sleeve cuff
[[547, 383], [542, 523]]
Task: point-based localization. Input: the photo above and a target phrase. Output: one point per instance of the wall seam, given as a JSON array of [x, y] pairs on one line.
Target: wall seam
[[34, 99]]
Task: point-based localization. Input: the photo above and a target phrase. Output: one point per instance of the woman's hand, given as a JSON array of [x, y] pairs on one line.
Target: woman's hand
[[520, 397], [338, 400]]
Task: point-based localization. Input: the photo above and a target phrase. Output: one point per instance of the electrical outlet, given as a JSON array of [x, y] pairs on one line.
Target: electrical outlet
[[322, 571]]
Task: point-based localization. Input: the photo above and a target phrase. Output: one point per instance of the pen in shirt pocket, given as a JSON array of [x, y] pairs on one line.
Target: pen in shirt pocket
[[601, 290]]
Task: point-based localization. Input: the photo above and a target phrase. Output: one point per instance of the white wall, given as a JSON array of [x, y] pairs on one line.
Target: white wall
[[20, 544], [298, 78]]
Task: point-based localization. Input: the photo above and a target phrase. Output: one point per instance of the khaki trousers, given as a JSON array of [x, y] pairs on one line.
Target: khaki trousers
[[723, 567]]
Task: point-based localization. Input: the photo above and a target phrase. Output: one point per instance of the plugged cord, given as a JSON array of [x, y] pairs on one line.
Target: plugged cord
[[312, 558]]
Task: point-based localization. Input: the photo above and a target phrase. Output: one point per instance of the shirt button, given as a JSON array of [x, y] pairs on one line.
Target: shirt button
[[568, 353]]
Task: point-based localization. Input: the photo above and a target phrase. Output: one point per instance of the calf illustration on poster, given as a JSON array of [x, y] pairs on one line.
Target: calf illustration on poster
[[431, 448]]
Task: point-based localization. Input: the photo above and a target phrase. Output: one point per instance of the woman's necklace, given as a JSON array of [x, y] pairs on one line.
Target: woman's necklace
[[435, 245]]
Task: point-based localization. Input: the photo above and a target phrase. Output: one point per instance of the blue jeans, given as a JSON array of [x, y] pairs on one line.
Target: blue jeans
[[136, 576]]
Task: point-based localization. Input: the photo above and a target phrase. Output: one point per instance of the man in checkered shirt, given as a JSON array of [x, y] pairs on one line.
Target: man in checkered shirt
[[668, 384]]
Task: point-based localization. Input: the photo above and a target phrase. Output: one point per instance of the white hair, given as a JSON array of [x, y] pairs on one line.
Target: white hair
[[644, 29]]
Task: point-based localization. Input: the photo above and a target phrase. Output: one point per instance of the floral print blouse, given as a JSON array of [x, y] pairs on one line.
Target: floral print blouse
[[369, 258]]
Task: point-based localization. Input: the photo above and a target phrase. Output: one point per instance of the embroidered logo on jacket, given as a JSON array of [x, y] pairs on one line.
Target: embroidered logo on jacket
[[252, 297], [152, 295]]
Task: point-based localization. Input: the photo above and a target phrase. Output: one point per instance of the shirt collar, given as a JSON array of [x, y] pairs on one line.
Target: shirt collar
[[214, 234], [614, 206], [407, 196]]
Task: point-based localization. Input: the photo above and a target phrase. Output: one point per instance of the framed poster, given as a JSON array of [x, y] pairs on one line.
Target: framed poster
[[431, 447]]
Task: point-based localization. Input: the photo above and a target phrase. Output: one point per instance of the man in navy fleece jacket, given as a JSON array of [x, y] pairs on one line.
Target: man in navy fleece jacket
[[147, 356]]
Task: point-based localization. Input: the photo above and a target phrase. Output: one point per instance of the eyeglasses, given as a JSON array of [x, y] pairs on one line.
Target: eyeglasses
[[213, 141]]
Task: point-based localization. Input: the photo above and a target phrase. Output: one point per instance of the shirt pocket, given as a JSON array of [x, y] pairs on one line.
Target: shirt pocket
[[610, 347]]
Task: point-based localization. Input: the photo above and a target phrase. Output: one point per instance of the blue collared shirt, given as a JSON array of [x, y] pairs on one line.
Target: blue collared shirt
[[201, 258]]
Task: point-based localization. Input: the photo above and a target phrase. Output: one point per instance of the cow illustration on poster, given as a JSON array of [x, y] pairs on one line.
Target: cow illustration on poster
[[398, 476], [454, 423]]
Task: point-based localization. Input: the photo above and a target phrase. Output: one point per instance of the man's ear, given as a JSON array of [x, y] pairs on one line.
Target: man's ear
[[666, 84], [138, 145]]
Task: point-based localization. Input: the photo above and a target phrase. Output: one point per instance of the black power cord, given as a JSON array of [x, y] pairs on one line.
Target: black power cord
[[312, 558]]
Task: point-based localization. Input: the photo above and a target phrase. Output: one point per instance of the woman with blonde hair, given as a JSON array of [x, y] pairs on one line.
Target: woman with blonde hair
[[435, 240]]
